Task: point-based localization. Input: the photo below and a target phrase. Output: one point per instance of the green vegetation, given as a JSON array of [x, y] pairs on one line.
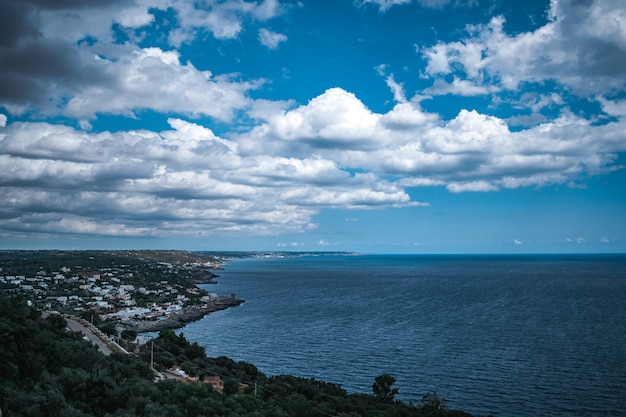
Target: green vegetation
[[48, 371], [382, 388]]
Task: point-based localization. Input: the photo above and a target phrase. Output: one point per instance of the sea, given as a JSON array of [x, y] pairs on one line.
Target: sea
[[501, 335]]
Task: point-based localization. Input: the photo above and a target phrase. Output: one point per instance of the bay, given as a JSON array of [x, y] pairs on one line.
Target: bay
[[502, 335]]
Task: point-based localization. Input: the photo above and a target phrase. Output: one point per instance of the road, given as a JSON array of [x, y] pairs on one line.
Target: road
[[75, 326]]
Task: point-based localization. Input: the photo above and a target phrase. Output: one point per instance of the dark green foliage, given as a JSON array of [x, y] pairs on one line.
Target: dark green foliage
[[433, 405], [382, 388], [47, 371], [91, 316], [231, 386], [108, 327]]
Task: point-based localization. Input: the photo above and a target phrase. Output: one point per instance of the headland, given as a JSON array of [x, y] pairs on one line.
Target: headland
[[130, 290]]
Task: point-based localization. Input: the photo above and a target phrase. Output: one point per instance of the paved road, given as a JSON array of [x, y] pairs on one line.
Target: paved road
[[75, 326]]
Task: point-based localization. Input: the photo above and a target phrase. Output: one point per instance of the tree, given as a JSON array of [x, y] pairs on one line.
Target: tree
[[382, 388], [432, 404], [231, 386]]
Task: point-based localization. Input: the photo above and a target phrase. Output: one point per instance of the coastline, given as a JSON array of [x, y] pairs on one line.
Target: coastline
[[179, 319]]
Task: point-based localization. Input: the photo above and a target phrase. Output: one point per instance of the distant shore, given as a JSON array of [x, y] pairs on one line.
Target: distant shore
[[180, 318]]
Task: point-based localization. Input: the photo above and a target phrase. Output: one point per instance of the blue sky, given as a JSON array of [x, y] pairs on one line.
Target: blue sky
[[391, 126]]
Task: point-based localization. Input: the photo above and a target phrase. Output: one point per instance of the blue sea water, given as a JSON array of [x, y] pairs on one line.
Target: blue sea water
[[541, 335]]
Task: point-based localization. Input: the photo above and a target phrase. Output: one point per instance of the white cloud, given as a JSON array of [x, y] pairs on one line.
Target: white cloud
[[267, 9], [335, 119], [384, 5], [458, 187], [154, 79], [267, 110], [333, 152], [129, 79], [290, 244], [186, 180], [438, 58], [396, 88], [470, 131], [84, 65], [407, 117], [282, 163], [271, 39], [74, 22], [613, 107], [224, 19], [459, 87], [472, 152], [517, 242], [583, 47]]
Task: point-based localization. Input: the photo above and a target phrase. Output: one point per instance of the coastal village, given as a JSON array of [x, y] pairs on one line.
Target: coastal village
[[132, 290]]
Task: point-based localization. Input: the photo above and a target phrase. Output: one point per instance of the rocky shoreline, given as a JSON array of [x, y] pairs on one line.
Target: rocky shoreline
[[177, 320]]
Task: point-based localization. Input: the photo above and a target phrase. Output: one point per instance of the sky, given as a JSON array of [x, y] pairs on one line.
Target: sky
[[385, 126]]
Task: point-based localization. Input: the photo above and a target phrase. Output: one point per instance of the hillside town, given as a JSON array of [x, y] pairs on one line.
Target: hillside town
[[135, 290]]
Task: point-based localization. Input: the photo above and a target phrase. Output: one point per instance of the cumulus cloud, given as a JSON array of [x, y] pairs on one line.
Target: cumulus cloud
[[613, 107], [274, 168], [185, 180], [333, 152], [154, 79], [62, 58], [583, 47], [39, 60], [335, 119], [132, 79], [472, 152], [271, 39], [224, 19]]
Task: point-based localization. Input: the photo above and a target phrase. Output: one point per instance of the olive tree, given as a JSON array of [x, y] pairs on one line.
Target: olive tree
[[382, 388]]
